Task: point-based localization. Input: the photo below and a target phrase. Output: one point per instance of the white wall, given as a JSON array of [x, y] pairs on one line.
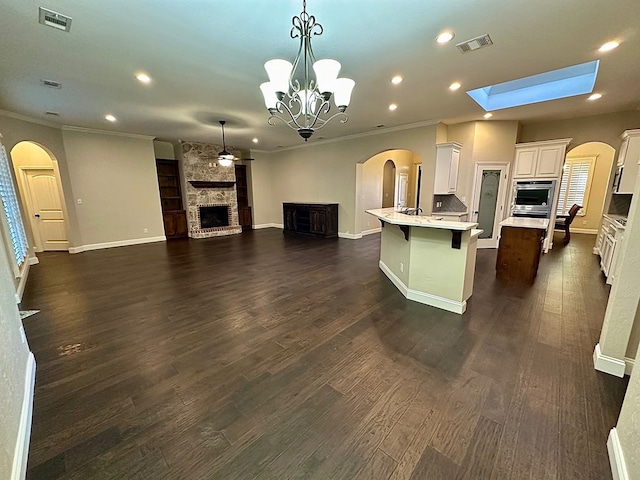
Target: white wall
[[14, 355], [115, 177]]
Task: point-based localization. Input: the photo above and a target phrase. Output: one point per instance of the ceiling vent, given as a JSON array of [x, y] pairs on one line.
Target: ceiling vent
[[55, 20], [50, 83], [475, 43]]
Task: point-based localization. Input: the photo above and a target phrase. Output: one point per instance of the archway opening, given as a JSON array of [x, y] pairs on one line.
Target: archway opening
[[41, 196]]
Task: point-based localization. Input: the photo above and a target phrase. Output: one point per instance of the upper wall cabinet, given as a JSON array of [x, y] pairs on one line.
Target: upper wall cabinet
[[447, 162], [540, 159], [628, 159]]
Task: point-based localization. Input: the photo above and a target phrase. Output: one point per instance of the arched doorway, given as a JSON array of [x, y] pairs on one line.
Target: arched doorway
[[370, 188], [388, 184], [585, 180], [41, 196]]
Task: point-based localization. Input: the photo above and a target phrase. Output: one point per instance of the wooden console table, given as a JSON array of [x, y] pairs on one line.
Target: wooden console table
[[317, 219]]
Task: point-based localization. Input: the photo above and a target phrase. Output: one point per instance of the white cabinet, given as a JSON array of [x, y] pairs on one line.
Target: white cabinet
[[609, 245], [628, 158], [540, 159], [447, 162]]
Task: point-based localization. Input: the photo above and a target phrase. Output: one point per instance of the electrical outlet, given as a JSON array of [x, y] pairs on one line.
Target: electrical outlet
[[401, 267], [584, 222], [79, 201], [146, 230]]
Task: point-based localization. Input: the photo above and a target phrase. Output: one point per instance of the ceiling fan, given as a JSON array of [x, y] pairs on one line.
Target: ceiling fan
[[225, 159]]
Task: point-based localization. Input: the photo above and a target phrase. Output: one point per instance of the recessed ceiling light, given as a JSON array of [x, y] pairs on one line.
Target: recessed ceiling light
[[110, 117], [488, 115], [393, 106], [445, 37], [454, 86], [609, 46], [255, 140], [594, 96], [143, 78], [396, 80]]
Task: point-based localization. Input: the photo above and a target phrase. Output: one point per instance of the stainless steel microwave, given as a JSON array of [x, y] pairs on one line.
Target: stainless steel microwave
[[533, 198]]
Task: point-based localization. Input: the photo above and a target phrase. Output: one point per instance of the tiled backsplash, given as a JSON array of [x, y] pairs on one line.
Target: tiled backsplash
[[450, 203]]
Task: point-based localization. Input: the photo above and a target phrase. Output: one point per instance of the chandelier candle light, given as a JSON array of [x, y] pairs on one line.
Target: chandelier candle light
[[300, 105]]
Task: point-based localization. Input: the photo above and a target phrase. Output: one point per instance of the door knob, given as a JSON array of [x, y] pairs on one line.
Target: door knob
[[37, 215]]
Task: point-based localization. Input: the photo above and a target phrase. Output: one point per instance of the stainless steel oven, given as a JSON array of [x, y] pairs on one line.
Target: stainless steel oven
[[533, 198]]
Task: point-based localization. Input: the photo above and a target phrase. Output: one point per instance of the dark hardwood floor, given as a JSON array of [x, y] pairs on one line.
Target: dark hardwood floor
[[265, 356]]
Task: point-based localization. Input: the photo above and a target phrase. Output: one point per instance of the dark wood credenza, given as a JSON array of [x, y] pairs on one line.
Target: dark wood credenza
[[318, 219]]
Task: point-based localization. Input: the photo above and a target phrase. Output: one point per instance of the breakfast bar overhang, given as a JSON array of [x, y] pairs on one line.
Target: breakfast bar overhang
[[430, 261]]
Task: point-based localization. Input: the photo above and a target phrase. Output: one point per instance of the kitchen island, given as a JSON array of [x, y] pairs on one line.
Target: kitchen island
[[520, 248], [430, 261]]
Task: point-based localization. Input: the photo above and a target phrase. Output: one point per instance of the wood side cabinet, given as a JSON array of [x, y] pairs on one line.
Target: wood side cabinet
[[318, 219]]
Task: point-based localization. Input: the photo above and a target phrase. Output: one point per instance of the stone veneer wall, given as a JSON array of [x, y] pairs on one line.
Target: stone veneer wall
[[201, 163]]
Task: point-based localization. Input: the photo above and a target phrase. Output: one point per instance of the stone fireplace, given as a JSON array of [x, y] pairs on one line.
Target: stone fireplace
[[212, 205]]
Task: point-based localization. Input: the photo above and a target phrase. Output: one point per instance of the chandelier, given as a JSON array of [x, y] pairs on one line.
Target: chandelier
[[297, 98]]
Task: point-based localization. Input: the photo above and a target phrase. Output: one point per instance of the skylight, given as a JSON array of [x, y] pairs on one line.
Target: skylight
[[561, 83]]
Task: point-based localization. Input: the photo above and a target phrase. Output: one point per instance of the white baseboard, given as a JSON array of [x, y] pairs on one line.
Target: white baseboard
[[628, 365], [422, 297], [350, 236], [616, 457], [371, 231], [607, 364], [33, 260], [267, 225], [22, 283], [119, 243], [596, 251], [588, 231], [19, 470]]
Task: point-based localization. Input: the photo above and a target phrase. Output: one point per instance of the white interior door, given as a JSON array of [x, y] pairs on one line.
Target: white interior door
[[45, 209], [401, 194], [489, 201]]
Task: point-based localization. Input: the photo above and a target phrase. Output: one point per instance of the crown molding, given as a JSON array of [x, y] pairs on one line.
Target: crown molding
[[71, 128], [382, 131], [25, 118]]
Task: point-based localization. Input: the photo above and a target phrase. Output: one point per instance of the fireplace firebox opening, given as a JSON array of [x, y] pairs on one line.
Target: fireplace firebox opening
[[213, 217]]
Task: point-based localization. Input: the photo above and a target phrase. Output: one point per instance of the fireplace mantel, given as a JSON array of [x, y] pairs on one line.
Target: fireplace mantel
[[211, 184]]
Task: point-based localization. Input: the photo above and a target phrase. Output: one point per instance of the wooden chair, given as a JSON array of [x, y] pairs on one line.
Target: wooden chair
[[564, 221]]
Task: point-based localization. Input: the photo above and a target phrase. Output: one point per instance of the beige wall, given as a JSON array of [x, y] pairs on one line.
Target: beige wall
[[15, 130], [115, 177], [486, 141], [634, 338], [326, 172], [597, 128], [599, 184], [14, 356]]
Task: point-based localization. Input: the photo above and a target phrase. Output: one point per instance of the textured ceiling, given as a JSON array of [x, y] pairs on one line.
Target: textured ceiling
[[206, 59]]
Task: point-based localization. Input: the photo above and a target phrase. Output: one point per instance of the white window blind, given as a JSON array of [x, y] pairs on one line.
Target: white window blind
[[12, 210], [575, 184]]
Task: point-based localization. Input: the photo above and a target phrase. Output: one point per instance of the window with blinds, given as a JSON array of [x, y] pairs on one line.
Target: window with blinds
[[12, 210], [575, 184]]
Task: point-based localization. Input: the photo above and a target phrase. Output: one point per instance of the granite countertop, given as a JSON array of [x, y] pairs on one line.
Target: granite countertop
[[450, 214], [615, 218], [390, 215], [525, 222]]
